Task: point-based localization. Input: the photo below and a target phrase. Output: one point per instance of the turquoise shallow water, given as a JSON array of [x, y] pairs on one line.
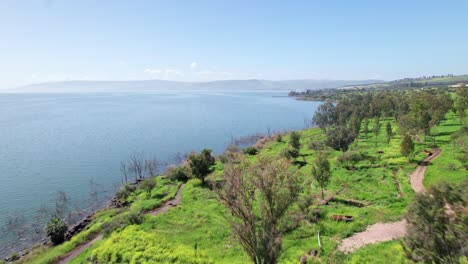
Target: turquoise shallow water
[[75, 142]]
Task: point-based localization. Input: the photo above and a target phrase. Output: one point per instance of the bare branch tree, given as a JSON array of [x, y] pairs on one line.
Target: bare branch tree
[[152, 166], [258, 197], [136, 165], [124, 171]]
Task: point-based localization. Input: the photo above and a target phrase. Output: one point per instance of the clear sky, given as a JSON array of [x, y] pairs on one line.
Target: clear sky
[[47, 40]]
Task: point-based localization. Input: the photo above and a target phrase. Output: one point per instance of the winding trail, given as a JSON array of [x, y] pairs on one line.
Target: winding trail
[[380, 232], [78, 250]]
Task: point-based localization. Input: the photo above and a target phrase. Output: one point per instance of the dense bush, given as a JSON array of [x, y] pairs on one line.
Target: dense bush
[[125, 192], [295, 138], [285, 154], [134, 246], [294, 153], [250, 150], [350, 158], [122, 220], [55, 230], [148, 185], [233, 152], [180, 173], [317, 145], [279, 138], [437, 225], [289, 153]]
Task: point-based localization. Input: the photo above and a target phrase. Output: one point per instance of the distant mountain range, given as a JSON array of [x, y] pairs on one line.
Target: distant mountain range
[[155, 85]]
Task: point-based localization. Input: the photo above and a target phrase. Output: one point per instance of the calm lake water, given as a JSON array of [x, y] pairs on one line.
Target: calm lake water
[[75, 142]]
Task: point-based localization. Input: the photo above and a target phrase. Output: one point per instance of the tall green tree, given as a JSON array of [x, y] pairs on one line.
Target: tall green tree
[[428, 109], [460, 145], [407, 146], [325, 116], [321, 171], [340, 138], [376, 129], [201, 163], [461, 102], [389, 130], [355, 123], [366, 127], [295, 140]]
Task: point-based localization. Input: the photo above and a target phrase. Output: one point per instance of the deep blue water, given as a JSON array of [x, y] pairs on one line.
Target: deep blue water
[[75, 142]]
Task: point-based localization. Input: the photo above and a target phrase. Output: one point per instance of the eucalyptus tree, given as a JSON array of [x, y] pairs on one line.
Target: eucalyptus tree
[[258, 197]]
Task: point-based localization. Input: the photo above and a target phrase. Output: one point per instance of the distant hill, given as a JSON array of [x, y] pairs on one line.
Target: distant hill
[[155, 85], [449, 81], [419, 82]]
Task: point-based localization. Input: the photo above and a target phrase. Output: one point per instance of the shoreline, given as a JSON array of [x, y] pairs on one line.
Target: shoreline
[[257, 140], [106, 178]]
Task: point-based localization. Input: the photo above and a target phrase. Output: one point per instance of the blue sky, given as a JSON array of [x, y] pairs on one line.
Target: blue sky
[[47, 40]]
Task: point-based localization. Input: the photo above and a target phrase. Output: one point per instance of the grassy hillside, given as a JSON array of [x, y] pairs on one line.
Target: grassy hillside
[[407, 84], [197, 228]]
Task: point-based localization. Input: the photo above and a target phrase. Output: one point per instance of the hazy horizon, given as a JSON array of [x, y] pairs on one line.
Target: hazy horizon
[[167, 85]]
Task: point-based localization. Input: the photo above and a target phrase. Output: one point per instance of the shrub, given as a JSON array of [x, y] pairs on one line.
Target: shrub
[[294, 153], [250, 150], [317, 145], [452, 166], [285, 154], [434, 234], [295, 138], [279, 138], [232, 153], [122, 220], [148, 185], [55, 230], [350, 159], [178, 173], [304, 202], [14, 256], [125, 192], [233, 149]]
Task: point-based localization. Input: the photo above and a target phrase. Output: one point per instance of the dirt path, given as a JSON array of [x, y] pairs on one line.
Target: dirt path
[[171, 203], [388, 231], [417, 177], [78, 250]]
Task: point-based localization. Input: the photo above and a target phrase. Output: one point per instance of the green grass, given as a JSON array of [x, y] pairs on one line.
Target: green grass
[[200, 218], [385, 252], [140, 201], [164, 191], [446, 167], [134, 245]]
